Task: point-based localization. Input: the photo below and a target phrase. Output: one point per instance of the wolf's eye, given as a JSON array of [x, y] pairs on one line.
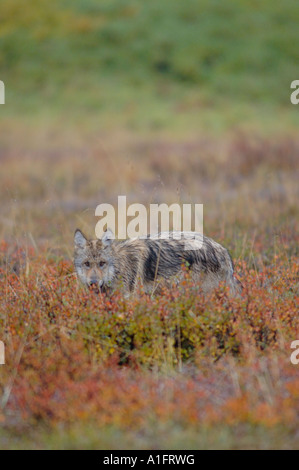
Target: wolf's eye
[[102, 263], [87, 264]]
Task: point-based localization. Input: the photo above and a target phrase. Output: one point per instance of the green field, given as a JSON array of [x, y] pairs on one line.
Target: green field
[[183, 66]]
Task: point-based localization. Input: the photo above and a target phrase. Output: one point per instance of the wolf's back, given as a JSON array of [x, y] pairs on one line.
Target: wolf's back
[[202, 254]]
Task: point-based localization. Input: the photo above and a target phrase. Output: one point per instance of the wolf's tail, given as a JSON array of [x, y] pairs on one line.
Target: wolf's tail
[[235, 285]]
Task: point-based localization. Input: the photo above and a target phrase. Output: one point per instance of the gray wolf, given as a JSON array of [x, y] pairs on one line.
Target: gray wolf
[[152, 261]]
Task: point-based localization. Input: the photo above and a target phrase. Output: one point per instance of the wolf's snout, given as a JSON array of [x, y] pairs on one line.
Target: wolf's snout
[[95, 282]]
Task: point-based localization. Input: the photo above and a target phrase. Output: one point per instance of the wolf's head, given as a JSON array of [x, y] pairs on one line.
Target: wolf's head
[[94, 260]]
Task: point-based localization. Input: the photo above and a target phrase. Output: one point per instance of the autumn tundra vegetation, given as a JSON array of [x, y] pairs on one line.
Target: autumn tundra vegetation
[[176, 102]]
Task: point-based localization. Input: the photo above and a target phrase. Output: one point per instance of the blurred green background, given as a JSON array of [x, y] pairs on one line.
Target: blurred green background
[[150, 65]]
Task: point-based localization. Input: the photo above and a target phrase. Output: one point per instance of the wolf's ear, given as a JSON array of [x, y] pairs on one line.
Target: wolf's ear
[[80, 239], [108, 237]]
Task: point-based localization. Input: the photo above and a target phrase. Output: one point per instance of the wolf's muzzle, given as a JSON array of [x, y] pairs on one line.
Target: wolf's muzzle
[[96, 285]]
